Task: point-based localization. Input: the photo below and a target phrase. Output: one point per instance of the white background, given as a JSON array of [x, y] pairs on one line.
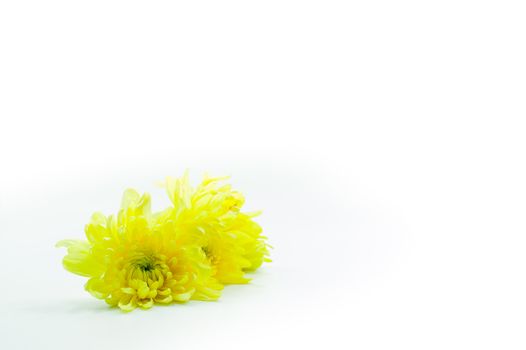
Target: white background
[[384, 140]]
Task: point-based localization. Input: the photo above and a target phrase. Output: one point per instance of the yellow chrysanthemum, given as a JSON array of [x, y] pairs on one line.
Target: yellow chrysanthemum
[[210, 216], [187, 251], [135, 260]]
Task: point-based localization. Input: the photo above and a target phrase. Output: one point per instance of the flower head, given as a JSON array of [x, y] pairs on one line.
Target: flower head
[[210, 216], [133, 260]]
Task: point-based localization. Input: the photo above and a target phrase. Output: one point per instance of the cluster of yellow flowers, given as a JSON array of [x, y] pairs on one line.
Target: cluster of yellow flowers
[[186, 252]]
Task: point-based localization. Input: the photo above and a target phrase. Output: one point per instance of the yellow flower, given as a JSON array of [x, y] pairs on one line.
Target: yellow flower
[[134, 259], [210, 216]]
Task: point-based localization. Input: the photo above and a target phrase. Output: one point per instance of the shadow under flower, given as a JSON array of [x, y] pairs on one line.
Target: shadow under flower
[[67, 306]]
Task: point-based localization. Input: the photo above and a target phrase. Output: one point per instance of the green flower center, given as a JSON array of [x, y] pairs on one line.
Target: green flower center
[[146, 267], [207, 251]]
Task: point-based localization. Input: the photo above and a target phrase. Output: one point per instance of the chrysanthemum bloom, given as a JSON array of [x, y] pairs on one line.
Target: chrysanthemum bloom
[[134, 259], [210, 216]]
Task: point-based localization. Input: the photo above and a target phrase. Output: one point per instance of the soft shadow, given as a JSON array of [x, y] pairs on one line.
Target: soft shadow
[[67, 306]]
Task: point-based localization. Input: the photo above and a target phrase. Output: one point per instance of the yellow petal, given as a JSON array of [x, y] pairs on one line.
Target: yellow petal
[[183, 296]]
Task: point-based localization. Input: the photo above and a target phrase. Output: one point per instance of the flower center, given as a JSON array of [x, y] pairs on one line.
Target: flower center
[[207, 251], [147, 279], [146, 267]]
